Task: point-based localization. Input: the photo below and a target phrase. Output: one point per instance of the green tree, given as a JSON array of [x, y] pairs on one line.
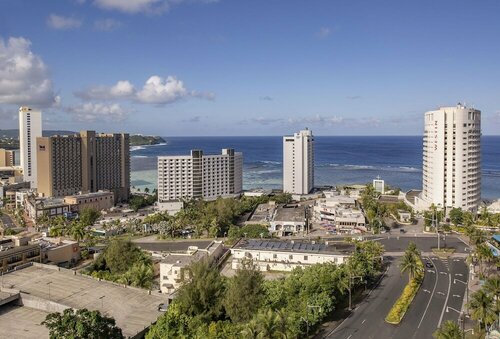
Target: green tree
[[492, 288], [456, 216], [141, 275], [173, 324], [448, 330], [202, 293], [251, 330], [119, 257], [244, 293], [268, 326], [77, 231], [81, 324], [482, 308], [89, 216]]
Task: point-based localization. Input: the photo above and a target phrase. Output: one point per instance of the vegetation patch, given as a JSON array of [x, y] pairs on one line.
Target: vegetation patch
[[413, 264]]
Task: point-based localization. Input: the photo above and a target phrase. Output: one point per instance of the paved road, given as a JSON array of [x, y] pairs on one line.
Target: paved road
[[439, 299], [7, 221]]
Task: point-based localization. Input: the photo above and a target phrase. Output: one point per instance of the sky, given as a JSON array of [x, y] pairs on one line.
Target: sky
[[259, 67]]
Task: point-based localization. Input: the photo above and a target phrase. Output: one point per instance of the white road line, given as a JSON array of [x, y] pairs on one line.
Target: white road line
[[440, 293], [456, 295], [350, 335], [445, 273], [430, 298], [459, 274], [363, 321], [445, 302]]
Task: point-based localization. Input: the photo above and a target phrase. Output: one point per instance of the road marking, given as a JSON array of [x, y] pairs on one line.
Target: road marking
[[440, 293], [426, 291], [350, 335], [431, 271], [363, 321], [445, 273], [430, 299], [459, 274], [455, 260], [445, 302], [456, 295]]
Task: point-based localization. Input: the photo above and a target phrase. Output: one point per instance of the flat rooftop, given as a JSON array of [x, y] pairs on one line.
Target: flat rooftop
[[22, 322], [132, 308], [170, 246], [295, 246], [262, 213], [293, 213]]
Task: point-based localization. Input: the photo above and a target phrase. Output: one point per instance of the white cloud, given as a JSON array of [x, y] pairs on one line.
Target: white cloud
[[156, 90], [324, 32], [24, 78], [144, 6], [107, 24], [60, 22], [92, 112]]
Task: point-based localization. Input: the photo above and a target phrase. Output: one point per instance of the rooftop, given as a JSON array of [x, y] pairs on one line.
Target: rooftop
[[182, 260], [171, 246], [295, 246], [132, 308], [291, 213], [90, 195]]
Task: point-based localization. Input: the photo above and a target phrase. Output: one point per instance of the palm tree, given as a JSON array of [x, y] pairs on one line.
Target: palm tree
[[56, 231], [412, 248], [142, 275], [492, 288], [77, 232], [267, 324], [409, 264], [251, 330], [483, 253], [448, 330], [283, 325], [482, 308]]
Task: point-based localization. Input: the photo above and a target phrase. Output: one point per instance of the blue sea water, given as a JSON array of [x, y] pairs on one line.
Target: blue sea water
[[338, 160]]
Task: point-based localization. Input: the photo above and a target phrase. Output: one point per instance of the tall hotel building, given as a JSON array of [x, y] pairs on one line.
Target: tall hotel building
[[200, 176], [452, 159], [30, 128], [85, 162], [298, 162]]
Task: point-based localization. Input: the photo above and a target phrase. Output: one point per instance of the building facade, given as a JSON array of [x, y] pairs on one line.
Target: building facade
[[298, 162], [85, 162], [451, 159], [200, 176], [275, 255], [30, 128], [7, 158]]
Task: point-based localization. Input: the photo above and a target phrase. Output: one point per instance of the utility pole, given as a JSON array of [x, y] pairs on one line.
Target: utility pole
[[435, 223]]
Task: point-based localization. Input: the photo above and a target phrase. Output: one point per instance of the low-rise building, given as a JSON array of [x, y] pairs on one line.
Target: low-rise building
[[289, 220], [280, 255], [101, 200], [17, 251], [346, 220], [174, 265], [263, 214], [51, 207], [60, 252]]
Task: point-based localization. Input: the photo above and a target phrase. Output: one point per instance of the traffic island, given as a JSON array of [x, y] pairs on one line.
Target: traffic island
[[401, 305]]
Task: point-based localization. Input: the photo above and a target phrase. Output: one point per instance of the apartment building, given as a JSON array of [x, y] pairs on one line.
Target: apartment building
[[451, 159], [30, 128], [200, 176], [85, 162], [298, 162], [17, 251], [7, 158], [278, 255]]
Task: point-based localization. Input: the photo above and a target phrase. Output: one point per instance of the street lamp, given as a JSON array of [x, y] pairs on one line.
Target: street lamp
[[102, 302], [48, 284], [350, 287]]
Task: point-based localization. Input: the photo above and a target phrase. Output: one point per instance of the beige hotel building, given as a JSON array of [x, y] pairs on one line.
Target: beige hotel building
[[85, 162]]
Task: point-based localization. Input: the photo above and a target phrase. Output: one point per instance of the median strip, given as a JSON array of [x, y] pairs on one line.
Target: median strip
[[401, 305]]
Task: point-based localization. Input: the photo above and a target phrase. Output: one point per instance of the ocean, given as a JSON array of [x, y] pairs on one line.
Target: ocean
[[338, 160]]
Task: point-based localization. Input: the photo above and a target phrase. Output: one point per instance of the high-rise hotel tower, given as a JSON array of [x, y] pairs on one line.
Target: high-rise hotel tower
[[85, 162], [452, 159], [298, 162], [30, 128]]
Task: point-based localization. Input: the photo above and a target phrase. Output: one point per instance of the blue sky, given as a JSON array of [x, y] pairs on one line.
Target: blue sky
[[231, 67]]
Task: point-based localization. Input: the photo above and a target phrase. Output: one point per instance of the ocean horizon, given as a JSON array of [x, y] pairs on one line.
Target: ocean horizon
[[338, 160]]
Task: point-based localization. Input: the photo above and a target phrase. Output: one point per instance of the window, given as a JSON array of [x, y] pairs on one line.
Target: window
[[275, 256], [305, 257]]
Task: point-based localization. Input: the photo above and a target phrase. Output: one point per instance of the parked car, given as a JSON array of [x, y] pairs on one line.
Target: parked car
[[402, 230], [429, 265], [162, 307]]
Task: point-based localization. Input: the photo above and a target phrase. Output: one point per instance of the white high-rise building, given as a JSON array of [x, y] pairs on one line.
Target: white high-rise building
[[451, 159], [298, 162], [30, 128], [200, 176]]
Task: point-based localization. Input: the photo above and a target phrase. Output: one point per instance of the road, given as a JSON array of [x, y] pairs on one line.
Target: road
[[7, 221], [439, 298]]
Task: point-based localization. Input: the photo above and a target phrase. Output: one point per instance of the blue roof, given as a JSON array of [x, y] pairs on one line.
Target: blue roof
[[497, 237]]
